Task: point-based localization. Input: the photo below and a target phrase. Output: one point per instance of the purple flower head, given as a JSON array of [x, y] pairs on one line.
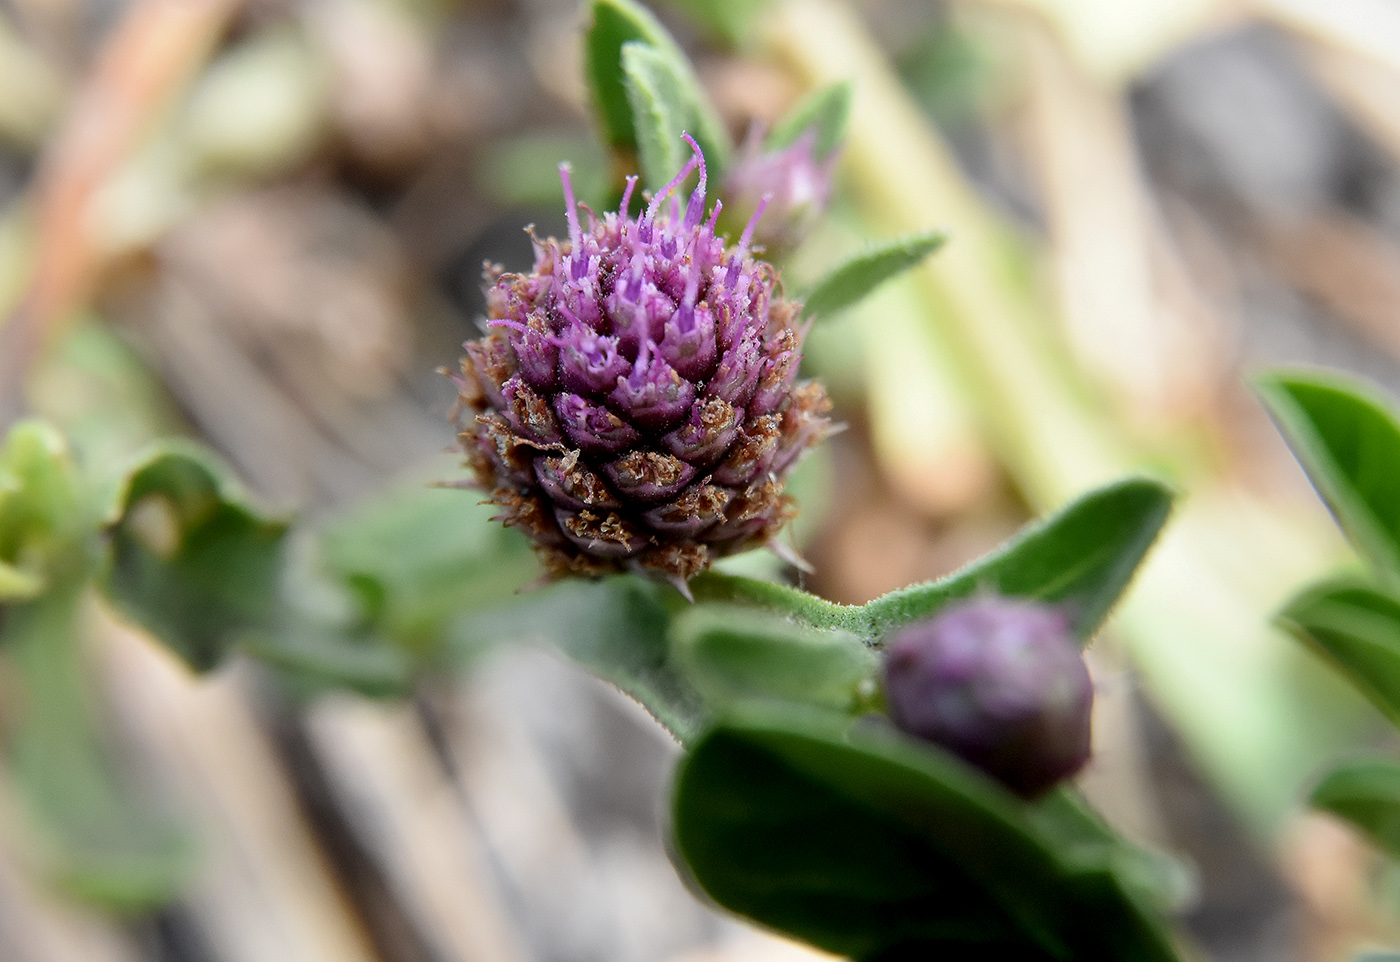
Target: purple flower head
[[999, 682], [634, 404], [796, 183]]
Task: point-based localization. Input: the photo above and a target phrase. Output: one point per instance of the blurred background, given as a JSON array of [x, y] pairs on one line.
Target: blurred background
[[261, 223]]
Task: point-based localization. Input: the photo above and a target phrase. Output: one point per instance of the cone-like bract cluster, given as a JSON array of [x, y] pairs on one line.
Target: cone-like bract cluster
[[999, 682], [635, 403]]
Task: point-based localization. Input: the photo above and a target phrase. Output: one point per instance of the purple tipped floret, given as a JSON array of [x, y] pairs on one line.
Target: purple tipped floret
[[593, 428], [999, 682]]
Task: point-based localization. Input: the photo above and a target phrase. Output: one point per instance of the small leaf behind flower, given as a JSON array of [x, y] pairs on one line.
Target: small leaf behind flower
[[1348, 441], [615, 23], [1355, 626], [1081, 558], [827, 111], [863, 273], [1366, 793], [193, 561], [659, 111]]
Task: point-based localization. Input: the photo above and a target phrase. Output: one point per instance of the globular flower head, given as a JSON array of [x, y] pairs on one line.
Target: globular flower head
[[793, 181], [634, 404], [999, 682]]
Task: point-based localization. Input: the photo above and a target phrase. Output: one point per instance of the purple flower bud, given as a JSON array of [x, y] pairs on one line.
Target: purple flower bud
[[635, 403], [796, 183], [999, 682]]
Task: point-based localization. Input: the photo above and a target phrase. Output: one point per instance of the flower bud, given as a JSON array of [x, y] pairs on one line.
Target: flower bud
[[999, 682]]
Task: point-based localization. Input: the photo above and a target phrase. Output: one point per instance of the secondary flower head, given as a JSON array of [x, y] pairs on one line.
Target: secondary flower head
[[999, 682], [634, 403], [794, 178]]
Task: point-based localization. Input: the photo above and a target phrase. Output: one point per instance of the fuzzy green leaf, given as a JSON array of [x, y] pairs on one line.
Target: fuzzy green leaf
[[193, 562], [732, 653], [659, 112], [827, 110], [615, 23], [1356, 627], [1367, 794], [870, 846], [1081, 558], [863, 273], [1348, 440]]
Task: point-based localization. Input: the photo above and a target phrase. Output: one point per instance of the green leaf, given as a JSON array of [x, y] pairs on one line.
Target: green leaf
[[418, 557], [618, 22], [88, 832], [1367, 794], [615, 628], [91, 834], [1081, 558], [1083, 839], [659, 112], [732, 653], [1355, 626], [1348, 440], [868, 846], [827, 110], [863, 273], [192, 561], [612, 25]]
